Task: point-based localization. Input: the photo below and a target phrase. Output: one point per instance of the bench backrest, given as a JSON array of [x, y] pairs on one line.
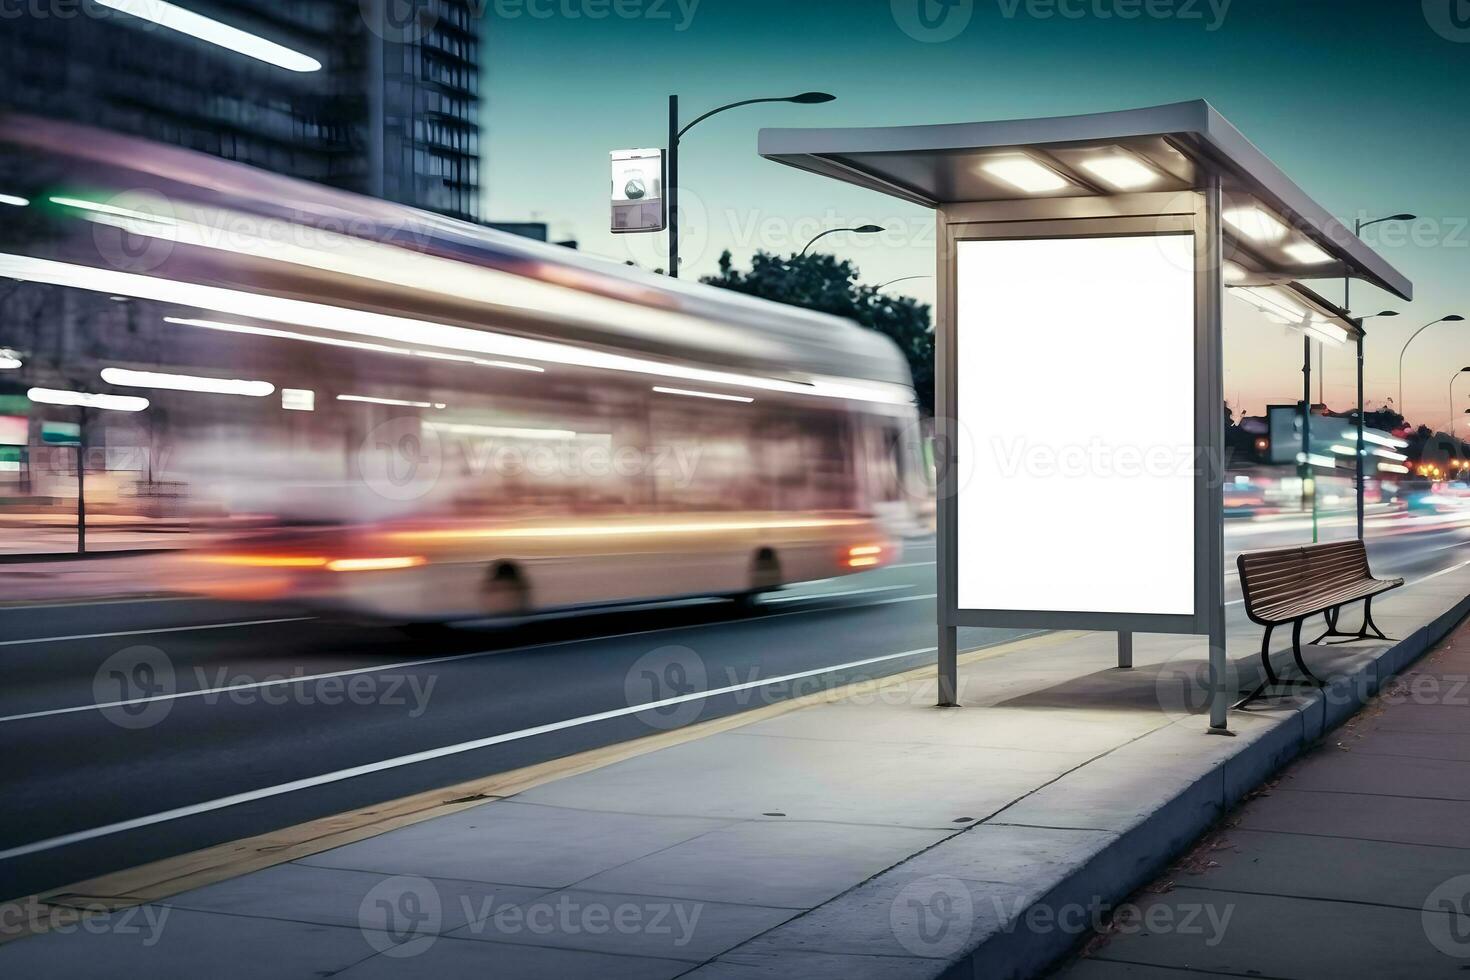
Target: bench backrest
[[1289, 574]]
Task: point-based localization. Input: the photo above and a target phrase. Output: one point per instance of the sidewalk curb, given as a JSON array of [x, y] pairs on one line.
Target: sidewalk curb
[[45, 557], [1137, 856]]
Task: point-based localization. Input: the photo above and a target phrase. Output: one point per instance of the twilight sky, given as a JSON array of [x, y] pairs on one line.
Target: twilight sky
[[1362, 102]]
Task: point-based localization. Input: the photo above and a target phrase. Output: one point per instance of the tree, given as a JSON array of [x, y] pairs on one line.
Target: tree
[[820, 282]]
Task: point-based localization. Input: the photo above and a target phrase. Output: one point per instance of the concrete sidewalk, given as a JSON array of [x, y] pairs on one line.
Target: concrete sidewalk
[[1355, 861], [864, 834]]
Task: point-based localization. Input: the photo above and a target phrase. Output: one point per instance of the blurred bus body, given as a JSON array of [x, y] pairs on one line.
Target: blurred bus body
[[391, 413]]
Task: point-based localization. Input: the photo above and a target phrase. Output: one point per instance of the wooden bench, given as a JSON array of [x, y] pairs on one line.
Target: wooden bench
[[1288, 585]]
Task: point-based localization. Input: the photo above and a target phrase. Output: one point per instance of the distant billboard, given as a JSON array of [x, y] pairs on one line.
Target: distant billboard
[[637, 191], [1284, 429]]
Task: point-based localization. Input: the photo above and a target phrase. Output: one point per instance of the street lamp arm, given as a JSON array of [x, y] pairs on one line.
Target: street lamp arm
[[860, 230], [733, 105], [1406, 347], [1360, 225], [890, 282], [1452, 318], [820, 235]]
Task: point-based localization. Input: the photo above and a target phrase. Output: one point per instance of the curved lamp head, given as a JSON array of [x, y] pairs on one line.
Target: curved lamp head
[[1387, 313], [868, 229], [1403, 217], [1453, 318], [811, 98]]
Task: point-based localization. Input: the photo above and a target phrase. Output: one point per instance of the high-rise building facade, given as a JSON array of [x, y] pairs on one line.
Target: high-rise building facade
[[393, 110], [425, 107]]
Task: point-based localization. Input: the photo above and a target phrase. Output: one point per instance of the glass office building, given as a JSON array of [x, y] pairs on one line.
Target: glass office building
[[392, 112]]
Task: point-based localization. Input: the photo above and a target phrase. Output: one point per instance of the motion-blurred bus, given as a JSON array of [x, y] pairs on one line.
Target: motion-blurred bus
[[390, 413]]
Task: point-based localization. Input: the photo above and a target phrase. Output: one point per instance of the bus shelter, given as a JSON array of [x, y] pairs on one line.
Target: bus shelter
[[1081, 265]]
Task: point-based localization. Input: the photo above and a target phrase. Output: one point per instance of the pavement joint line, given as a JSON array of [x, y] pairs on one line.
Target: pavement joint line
[[426, 755], [184, 872], [161, 629], [1381, 796], [1190, 971], [1200, 887], [400, 665]]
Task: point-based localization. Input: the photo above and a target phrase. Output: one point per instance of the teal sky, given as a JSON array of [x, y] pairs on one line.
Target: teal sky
[[1362, 102]]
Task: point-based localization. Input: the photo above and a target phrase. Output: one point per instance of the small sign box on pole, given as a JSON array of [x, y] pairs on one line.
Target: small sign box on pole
[[638, 191]]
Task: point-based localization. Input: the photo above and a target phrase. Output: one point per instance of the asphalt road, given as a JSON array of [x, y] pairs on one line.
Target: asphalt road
[[222, 748]]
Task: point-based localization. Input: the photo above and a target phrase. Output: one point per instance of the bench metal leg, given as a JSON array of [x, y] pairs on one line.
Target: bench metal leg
[[1368, 623], [1266, 657], [1331, 616], [1362, 634], [1296, 652], [1271, 680]]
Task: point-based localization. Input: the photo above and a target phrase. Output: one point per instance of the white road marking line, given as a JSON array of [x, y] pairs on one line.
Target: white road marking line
[[404, 664], [107, 830], [160, 629], [791, 597], [1442, 571]]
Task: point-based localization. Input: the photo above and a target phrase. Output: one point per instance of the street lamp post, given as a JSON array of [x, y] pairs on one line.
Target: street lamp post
[[1453, 378], [859, 230], [1309, 481], [1347, 285], [1360, 461], [1452, 318], [676, 133]]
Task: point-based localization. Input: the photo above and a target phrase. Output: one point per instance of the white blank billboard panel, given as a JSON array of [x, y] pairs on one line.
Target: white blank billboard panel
[[1075, 398]]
